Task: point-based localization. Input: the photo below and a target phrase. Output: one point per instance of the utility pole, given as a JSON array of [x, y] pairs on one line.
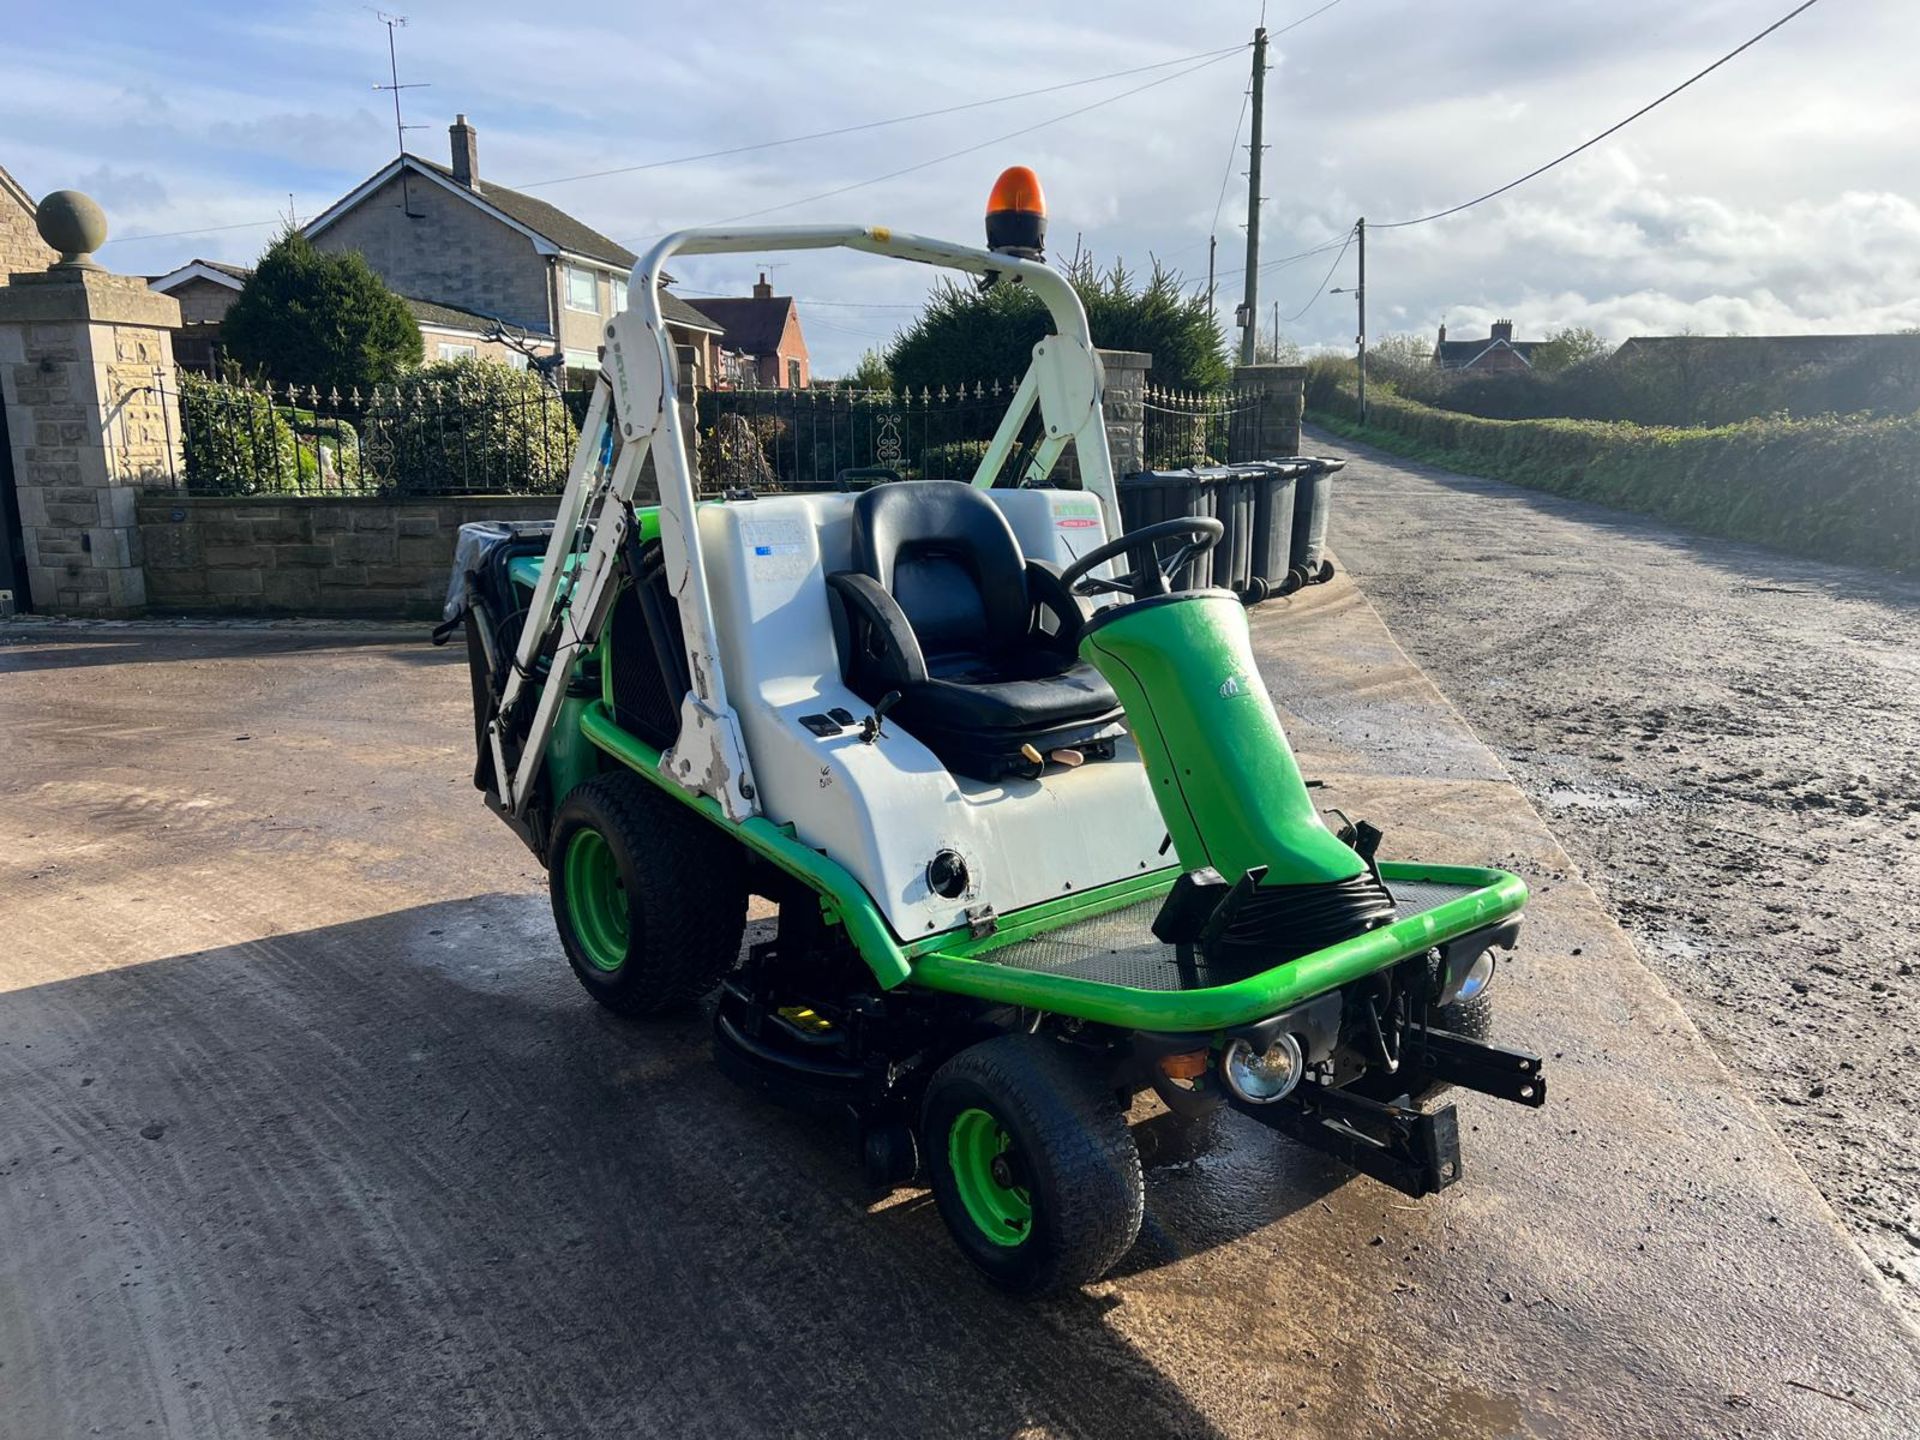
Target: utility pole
[[1213, 243], [1250, 306], [1360, 298]]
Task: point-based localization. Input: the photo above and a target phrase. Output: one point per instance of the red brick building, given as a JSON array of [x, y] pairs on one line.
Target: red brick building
[[762, 345]]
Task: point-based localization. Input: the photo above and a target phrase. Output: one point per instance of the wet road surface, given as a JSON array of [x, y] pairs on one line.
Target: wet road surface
[[1727, 741], [305, 1130]]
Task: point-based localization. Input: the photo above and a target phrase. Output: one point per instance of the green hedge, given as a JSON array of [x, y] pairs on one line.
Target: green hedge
[[1837, 488], [237, 441]]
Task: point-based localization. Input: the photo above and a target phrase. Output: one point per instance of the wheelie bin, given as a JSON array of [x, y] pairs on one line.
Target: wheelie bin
[[1313, 503], [1235, 493], [1155, 495], [1272, 560]]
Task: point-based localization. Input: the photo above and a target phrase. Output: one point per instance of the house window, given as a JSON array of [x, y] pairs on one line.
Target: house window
[[619, 296], [583, 290], [583, 360], [516, 360], [793, 374], [450, 351]]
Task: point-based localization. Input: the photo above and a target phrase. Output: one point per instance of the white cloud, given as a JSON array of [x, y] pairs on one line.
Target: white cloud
[[1766, 198]]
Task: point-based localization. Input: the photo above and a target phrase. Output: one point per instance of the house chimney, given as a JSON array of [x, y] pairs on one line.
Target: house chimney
[[763, 291], [466, 153], [1443, 333], [1503, 330]]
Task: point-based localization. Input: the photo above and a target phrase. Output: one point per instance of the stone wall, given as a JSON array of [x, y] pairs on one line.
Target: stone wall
[[21, 247], [300, 556]]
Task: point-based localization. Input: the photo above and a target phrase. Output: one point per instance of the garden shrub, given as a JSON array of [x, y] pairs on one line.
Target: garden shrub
[[469, 426], [236, 441]]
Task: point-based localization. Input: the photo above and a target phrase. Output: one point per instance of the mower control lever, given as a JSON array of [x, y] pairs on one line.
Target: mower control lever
[[1151, 577]]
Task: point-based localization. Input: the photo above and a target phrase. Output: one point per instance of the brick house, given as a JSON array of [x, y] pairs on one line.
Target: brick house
[[21, 248], [1498, 352], [762, 345], [206, 290], [442, 234]]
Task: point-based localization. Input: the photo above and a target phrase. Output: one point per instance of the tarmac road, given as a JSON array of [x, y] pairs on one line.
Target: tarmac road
[[306, 1131], [1727, 741]]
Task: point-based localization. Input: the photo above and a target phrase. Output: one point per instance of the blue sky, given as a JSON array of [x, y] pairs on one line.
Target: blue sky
[[1775, 196]]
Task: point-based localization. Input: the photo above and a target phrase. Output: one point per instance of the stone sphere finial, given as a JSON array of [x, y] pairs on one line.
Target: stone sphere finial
[[74, 225]]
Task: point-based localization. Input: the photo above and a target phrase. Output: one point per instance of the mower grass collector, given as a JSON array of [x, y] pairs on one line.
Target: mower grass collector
[[1035, 835]]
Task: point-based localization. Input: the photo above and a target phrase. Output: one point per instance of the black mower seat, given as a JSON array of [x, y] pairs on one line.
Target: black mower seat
[[942, 607]]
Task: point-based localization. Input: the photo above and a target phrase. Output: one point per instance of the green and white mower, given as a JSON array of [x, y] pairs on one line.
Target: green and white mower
[[1036, 838]]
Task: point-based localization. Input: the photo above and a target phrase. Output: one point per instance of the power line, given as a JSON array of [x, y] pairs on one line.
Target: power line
[[1284, 260], [970, 149], [1610, 130], [882, 124], [804, 300], [1323, 281], [1227, 175], [176, 234], [1206, 56]]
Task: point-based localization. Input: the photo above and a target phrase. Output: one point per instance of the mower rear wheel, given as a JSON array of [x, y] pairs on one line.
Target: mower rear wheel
[[1032, 1165], [649, 898]]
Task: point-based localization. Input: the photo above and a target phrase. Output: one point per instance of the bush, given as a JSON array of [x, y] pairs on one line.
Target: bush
[[954, 460], [1838, 488], [967, 335], [469, 425], [236, 441], [308, 317]]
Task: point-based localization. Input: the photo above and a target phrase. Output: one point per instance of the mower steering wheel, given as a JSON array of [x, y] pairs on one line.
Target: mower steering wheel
[[1151, 576]]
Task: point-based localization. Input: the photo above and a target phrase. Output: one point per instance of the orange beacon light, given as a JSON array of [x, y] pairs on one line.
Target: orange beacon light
[[1017, 214]]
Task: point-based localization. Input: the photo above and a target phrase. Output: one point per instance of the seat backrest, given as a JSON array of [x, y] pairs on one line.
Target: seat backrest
[[948, 556]]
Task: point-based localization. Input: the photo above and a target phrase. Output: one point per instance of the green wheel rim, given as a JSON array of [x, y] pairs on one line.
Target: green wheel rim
[[596, 900], [1000, 1210]]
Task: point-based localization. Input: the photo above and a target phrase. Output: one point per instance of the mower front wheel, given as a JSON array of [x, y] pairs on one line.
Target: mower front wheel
[[649, 898], [1032, 1165]]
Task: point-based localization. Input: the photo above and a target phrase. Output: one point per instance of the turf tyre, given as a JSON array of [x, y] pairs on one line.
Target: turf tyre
[[1069, 1145], [649, 897]]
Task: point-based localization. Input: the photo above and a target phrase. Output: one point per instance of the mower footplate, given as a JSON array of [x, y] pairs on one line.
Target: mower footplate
[[1417, 1153]]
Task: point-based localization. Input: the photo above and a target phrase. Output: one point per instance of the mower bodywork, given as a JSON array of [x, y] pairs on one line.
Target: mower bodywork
[[1153, 907]]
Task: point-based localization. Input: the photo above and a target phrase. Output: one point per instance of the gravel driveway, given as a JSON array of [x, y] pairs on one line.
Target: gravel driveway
[[1727, 740]]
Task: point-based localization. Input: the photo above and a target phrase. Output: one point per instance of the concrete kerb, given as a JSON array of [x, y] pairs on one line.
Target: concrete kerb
[[1667, 1143]]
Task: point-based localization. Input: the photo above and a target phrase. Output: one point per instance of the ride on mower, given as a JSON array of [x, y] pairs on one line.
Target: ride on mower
[[1036, 837]]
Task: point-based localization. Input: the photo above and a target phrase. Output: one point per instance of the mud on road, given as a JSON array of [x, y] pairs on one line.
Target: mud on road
[[1727, 740]]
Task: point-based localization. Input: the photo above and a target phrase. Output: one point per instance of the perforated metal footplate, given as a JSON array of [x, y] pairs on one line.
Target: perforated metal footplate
[[1119, 948]]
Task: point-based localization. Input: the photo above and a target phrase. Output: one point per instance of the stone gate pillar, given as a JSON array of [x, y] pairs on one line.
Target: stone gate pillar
[[1282, 391], [86, 374], [1125, 405]]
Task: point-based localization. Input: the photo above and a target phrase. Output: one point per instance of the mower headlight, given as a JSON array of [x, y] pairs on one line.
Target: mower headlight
[[1261, 1077], [1472, 982]]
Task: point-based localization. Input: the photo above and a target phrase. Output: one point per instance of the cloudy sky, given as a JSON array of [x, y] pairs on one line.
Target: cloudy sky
[[1780, 194]]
